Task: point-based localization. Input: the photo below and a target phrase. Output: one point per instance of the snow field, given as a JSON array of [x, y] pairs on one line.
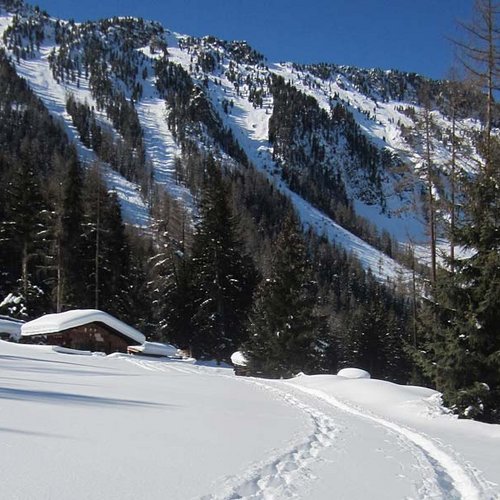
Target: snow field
[[96, 427], [144, 428]]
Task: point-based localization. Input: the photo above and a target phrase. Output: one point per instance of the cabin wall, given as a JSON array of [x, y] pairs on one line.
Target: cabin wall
[[90, 337]]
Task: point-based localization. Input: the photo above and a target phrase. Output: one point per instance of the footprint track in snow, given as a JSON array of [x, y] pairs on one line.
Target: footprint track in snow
[[275, 477]]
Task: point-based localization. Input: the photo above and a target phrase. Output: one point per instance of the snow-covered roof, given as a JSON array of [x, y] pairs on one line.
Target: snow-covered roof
[[11, 326], [53, 323], [155, 349]]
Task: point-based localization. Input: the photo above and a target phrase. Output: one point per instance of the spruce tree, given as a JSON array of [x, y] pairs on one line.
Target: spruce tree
[[178, 305], [24, 232], [73, 292], [105, 247], [223, 276], [170, 289], [284, 326], [460, 352], [460, 320]]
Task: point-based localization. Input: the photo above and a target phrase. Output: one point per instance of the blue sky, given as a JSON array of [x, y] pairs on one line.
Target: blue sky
[[410, 35]]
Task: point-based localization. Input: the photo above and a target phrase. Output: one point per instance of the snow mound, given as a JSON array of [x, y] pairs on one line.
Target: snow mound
[[353, 373], [238, 359], [67, 350], [155, 349]]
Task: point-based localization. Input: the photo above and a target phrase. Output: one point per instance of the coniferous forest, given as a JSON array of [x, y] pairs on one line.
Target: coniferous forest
[[239, 270]]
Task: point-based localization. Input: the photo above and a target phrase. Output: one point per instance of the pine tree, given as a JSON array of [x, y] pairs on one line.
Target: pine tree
[[64, 255], [137, 300], [114, 260], [73, 293], [459, 320], [23, 232], [105, 247], [223, 277], [283, 324], [371, 335], [178, 308]]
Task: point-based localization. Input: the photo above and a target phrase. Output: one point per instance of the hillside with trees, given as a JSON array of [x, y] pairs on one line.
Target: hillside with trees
[[276, 159]]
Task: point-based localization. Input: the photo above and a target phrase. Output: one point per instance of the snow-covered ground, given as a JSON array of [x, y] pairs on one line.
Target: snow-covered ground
[[85, 426]]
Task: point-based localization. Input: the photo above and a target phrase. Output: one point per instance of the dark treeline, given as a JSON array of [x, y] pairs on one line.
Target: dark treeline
[[52, 214], [253, 282]]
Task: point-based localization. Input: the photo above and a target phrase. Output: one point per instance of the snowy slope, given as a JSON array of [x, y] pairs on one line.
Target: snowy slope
[[119, 427], [161, 148], [249, 125], [37, 73], [382, 121]]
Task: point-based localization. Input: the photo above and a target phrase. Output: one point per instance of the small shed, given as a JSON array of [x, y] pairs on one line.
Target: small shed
[[82, 329], [10, 328]]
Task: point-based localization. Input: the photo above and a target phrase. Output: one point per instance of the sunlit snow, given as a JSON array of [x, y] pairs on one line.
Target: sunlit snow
[[120, 427]]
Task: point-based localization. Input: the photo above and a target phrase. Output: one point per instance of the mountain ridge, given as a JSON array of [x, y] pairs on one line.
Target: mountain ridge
[[230, 112]]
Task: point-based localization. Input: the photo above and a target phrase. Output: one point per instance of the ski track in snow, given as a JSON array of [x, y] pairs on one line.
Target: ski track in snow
[[452, 479], [444, 475]]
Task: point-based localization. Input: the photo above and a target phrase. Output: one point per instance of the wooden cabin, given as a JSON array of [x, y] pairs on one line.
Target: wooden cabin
[[82, 329]]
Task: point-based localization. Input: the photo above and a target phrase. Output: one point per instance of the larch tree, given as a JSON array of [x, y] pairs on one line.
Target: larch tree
[[480, 55]]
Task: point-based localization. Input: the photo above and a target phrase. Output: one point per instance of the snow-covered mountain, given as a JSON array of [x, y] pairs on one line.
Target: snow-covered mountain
[[345, 145]]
